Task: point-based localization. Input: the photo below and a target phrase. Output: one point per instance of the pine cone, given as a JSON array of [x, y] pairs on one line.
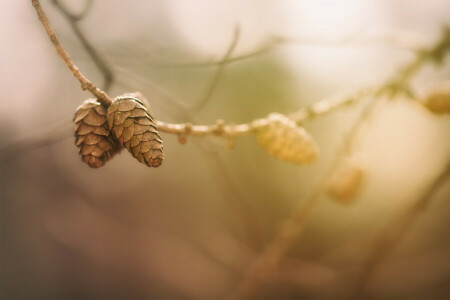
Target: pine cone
[[92, 135], [133, 128], [283, 139], [438, 100]]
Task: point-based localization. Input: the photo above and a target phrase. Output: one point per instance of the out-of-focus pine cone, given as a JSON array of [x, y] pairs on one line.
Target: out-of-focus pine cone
[[92, 135], [283, 139], [133, 128], [345, 182], [438, 100]]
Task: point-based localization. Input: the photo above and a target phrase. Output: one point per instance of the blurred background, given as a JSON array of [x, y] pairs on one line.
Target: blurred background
[[191, 228]]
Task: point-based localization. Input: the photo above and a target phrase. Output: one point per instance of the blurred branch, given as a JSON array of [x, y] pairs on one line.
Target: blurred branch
[[73, 17], [73, 20], [395, 231], [238, 202], [36, 141], [267, 263], [396, 40], [220, 69]]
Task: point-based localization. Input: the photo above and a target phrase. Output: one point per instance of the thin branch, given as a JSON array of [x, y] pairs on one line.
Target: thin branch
[[237, 201], [214, 63], [397, 41], [394, 232], [85, 83], [46, 138], [73, 16], [220, 69], [267, 263], [73, 20]]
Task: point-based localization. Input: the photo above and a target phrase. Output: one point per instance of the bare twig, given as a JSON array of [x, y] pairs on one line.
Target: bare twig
[[30, 143], [276, 41], [73, 17], [85, 83], [220, 69], [394, 232], [237, 202], [264, 49], [73, 20], [265, 265]]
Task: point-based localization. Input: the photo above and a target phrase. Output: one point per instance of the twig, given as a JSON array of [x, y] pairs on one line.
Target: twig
[[265, 265], [73, 20], [237, 201], [214, 63], [220, 69], [275, 41], [73, 17], [85, 83], [395, 231], [48, 137]]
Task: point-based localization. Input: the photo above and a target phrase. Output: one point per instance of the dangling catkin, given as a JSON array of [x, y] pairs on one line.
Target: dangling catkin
[[133, 128], [438, 100], [345, 182], [92, 135], [283, 139]]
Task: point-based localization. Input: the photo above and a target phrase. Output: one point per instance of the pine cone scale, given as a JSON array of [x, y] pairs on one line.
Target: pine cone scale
[[117, 131], [136, 113], [94, 119], [120, 117], [126, 105], [135, 140], [127, 134], [84, 129]]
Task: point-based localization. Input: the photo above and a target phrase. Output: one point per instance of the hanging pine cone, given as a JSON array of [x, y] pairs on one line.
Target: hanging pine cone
[[92, 135], [133, 128], [283, 139], [438, 100]]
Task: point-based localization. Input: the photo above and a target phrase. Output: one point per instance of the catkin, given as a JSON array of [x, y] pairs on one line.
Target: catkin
[[345, 183], [133, 128], [438, 100], [92, 135], [283, 139]]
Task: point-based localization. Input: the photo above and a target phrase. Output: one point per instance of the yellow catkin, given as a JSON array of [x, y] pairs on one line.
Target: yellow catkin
[[283, 139], [438, 100], [345, 182]]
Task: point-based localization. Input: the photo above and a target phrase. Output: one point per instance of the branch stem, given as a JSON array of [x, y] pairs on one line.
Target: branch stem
[[85, 83]]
